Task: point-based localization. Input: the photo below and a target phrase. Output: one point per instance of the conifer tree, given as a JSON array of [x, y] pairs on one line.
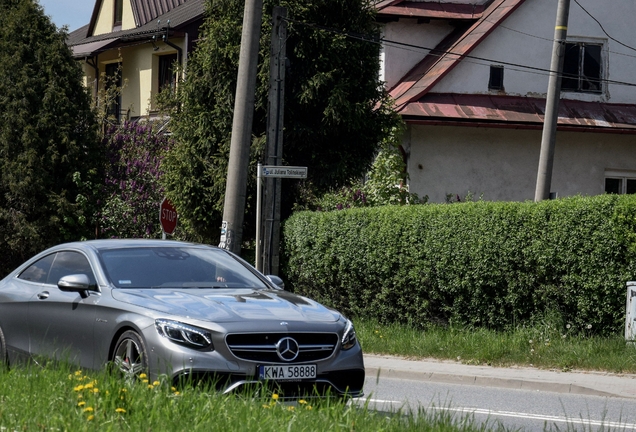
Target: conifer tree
[[49, 151]]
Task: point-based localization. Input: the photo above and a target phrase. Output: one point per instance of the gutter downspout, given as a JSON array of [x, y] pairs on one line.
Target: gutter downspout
[[170, 44]]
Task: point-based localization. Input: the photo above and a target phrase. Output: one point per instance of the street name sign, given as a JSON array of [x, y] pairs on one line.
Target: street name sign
[[283, 171]]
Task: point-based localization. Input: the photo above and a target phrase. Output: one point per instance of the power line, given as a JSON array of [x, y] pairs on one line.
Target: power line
[[602, 28], [440, 53]]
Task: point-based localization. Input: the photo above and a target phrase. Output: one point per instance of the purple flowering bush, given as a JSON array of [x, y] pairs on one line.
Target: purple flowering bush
[[132, 189]]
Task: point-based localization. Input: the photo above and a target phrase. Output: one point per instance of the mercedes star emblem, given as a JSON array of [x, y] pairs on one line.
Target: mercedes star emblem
[[287, 349]]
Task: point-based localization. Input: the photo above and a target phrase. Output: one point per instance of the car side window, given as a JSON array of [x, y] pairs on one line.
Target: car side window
[[69, 263], [39, 270]]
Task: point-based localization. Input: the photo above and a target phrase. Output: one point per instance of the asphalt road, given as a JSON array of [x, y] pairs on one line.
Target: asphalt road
[[518, 398]]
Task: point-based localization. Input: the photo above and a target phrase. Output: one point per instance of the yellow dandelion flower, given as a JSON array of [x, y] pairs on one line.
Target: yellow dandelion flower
[[81, 404], [150, 386], [143, 375], [79, 388], [275, 396], [90, 417], [156, 383], [145, 381], [95, 390], [120, 410], [90, 385], [302, 401], [80, 396], [78, 373], [173, 389], [88, 409], [177, 393], [308, 407]]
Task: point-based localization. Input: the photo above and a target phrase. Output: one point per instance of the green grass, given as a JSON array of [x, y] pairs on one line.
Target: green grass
[[56, 398], [544, 345], [59, 398]]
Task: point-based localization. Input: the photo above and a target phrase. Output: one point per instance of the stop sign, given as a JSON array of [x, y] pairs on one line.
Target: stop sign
[[167, 216]]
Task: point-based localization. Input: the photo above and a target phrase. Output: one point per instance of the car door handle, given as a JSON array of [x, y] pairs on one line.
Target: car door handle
[[43, 295]]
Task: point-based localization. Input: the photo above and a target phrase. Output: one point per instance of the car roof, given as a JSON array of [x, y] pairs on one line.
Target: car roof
[[129, 243]]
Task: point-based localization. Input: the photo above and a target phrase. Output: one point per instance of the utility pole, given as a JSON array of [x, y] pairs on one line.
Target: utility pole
[[548, 138], [238, 164], [274, 153]]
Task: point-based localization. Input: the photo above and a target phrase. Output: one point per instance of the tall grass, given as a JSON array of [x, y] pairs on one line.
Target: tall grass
[[62, 399], [545, 344]]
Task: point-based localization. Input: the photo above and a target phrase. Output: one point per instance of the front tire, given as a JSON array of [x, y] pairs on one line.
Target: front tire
[[130, 357]]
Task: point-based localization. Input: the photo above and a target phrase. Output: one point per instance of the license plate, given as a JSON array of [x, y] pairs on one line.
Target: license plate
[[286, 373]]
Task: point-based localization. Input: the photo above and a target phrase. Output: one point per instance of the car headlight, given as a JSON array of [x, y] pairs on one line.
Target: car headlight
[[349, 336], [184, 334]]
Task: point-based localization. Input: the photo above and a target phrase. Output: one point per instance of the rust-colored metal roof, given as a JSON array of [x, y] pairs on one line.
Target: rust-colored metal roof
[[519, 112], [430, 10], [444, 57]]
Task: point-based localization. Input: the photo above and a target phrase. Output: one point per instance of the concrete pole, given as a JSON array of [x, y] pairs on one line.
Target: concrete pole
[[276, 109], [236, 186], [548, 138]]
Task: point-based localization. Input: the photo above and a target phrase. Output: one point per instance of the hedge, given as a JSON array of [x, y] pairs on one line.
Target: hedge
[[481, 264]]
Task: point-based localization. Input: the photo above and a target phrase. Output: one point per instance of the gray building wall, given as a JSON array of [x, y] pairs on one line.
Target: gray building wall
[[502, 164]]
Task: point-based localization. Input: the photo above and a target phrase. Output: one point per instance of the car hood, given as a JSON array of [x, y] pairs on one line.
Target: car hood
[[223, 305]]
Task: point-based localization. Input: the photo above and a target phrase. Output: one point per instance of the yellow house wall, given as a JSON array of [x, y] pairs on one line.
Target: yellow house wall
[[140, 74], [128, 19], [105, 17]]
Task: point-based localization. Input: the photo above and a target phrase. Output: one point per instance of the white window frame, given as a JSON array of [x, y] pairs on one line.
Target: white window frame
[[622, 175]]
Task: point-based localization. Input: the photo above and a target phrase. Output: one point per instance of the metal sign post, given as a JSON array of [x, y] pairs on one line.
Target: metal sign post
[[271, 172]]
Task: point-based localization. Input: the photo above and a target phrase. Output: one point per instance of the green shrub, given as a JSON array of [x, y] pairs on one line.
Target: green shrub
[[479, 264]]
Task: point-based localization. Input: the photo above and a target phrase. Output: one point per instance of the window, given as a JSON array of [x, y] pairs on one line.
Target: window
[[496, 78], [167, 75], [119, 12], [38, 271], [52, 268], [620, 185], [69, 263], [582, 71]]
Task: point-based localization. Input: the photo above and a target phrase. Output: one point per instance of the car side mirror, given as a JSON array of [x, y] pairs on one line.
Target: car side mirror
[[276, 281], [79, 283]]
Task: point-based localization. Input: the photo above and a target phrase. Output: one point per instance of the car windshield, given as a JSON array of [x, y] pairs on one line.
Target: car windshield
[[176, 267]]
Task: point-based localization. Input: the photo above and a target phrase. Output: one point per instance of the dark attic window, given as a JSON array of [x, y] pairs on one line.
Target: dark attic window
[[496, 78]]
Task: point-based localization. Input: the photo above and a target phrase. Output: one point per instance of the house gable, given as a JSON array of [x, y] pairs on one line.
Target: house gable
[[136, 13], [450, 52]]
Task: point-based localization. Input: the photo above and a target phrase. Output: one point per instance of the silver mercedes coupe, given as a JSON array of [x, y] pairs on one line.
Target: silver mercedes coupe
[[182, 310]]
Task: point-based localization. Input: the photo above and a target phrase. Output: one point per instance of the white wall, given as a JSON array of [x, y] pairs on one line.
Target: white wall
[[502, 164], [398, 60], [524, 39]]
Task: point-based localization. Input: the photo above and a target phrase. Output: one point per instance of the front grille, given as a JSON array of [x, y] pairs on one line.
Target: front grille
[[261, 347]]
